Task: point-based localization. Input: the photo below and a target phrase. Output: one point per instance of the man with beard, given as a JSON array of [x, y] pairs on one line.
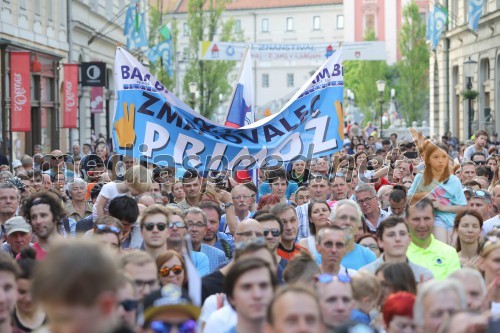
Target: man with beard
[[213, 236], [191, 184], [43, 211]]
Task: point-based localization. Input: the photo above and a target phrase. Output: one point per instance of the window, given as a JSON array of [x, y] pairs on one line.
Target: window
[[185, 29], [340, 21], [316, 23], [50, 12], [289, 24], [237, 25], [265, 80], [264, 25], [369, 22], [289, 80]]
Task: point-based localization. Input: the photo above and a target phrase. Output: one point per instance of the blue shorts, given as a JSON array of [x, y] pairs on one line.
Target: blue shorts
[[438, 222]]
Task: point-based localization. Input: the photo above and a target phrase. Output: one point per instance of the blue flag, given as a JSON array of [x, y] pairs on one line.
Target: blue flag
[[430, 26], [129, 21], [137, 39], [475, 12], [440, 18], [162, 50], [241, 109]]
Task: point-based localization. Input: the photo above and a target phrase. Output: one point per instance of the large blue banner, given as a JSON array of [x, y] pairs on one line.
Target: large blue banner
[[153, 124], [475, 12]]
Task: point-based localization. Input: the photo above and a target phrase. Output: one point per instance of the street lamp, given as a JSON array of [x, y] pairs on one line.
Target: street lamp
[[381, 88], [193, 89], [469, 71]]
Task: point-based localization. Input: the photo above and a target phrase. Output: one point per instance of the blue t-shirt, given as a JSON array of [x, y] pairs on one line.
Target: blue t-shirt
[[358, 257], [265, 188], [449, 193], [201, 263]]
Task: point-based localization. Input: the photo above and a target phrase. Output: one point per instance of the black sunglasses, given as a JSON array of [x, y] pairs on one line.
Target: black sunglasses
[[129, 304], [274, 232], [479, 162], [159, 226]]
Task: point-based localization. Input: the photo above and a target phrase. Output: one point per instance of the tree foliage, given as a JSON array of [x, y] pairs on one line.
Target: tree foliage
[[361, 78], [413, 68], [158, 68], [211, 76]]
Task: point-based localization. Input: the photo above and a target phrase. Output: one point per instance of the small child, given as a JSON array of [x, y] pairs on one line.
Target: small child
[[366, 290], [137, 180]]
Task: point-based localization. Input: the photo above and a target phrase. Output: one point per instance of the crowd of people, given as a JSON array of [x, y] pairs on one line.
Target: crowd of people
[[386, 235]]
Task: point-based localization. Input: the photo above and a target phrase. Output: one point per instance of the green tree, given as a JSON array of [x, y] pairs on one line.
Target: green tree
[[413, 68], [156, 21], [361, 78], [211, 76]]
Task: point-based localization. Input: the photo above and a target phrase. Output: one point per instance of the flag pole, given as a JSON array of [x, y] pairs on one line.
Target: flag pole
[[236, 85]]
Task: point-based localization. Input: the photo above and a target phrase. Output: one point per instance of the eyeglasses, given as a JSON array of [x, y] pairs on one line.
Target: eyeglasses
[[140, 284], [259, 242], [479, 162], [107, 228], [196, 225], [370, 246], [176, 269], [242, 196], [327, 278], [159, 226], [274, 232], [365, 201], [188, 326], [129, 304], [178, 225]]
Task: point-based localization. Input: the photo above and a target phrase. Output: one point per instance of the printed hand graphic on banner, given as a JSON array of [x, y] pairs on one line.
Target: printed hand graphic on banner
[[125, 126], [340, 115]]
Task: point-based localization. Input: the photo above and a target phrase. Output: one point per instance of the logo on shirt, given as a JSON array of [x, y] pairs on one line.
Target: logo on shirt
[[438, 261]]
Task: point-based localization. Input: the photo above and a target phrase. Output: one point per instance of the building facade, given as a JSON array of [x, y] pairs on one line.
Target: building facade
[[449, 110], [55, 33], [279, 22], [384, 17]]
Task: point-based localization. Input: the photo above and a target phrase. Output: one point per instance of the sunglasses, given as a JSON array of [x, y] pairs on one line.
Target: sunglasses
[[274, 232], [176, 269], [53, 158], [178, 225], [479, 162], [327, 278], [481, 194], [188, 326], [159, 226], [129, 304], [107, 228]]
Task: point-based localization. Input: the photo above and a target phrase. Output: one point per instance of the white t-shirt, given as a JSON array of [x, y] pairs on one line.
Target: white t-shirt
[[221, 320], [109, 191], [489, 224]]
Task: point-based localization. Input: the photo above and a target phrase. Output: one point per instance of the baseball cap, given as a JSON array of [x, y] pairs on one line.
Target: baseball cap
[[16, 163], [168, 298], [16, 223]]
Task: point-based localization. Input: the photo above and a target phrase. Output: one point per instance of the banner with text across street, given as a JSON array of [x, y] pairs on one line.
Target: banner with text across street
[[282, 52], [153, 124]]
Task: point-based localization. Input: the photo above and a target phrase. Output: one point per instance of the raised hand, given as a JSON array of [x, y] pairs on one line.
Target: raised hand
[[125, 126]]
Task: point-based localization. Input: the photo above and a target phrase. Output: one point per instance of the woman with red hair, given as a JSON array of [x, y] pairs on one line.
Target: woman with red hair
[[398, 313]]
